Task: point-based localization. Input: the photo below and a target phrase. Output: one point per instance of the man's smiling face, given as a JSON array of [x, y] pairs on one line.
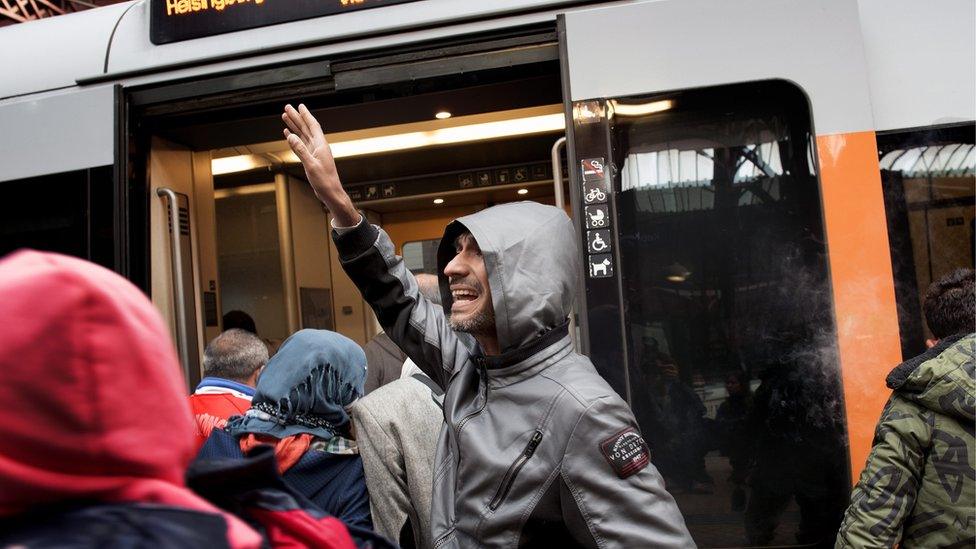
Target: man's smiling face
[[471, 309]]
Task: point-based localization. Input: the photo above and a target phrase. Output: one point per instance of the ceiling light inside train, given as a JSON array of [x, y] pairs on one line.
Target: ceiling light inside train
[[442, 115], [522, 191], [431, 133], [438, 201], [640, 109], [241, 163]]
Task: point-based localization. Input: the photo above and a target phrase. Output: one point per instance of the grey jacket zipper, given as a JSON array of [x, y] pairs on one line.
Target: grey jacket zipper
[[484, 376], [513, 471]]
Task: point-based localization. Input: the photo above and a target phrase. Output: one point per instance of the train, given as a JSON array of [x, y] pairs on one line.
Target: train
[[761, 189]]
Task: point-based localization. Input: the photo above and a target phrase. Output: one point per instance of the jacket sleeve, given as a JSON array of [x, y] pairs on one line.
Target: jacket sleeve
[[383, 463], [416, 325], [886, 491], [600, 508]]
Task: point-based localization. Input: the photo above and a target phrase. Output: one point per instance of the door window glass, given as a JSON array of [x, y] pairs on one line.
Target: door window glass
[[420, 256], [249, 260], [68, 213], [928, 178], [733, 367]]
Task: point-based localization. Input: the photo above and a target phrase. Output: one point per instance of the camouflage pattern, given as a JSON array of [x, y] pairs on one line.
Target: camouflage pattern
[[918, 486]]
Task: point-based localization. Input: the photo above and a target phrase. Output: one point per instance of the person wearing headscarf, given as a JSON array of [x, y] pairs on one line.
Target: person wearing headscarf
[[299, 408], [97, 433]]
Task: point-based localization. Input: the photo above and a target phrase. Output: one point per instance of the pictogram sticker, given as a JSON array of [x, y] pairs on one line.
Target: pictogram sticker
[[592, 169], [595, 192], [600, 265], [598, 242], [597, 217]]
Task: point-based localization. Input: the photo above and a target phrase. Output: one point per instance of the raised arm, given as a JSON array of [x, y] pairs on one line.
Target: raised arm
[[416, 325]]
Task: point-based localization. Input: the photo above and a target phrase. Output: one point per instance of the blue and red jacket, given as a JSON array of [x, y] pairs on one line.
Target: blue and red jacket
[[251, 488]]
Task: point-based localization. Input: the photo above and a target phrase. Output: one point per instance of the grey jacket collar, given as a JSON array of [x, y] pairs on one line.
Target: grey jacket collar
[[530, 359]]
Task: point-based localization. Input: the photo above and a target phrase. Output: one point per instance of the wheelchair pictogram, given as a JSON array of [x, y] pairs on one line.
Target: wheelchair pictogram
[[599, 241]]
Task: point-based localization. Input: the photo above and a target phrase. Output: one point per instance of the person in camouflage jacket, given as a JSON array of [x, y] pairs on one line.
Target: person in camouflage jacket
[[917, 489]]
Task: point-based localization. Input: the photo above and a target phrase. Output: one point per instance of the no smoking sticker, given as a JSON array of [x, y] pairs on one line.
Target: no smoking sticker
[[592, 169]]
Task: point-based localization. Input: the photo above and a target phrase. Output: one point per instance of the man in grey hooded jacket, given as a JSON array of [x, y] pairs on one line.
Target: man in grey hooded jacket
[[536, 448]]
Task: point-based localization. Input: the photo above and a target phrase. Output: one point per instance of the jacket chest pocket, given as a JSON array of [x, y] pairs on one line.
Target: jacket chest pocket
[[513, 470]]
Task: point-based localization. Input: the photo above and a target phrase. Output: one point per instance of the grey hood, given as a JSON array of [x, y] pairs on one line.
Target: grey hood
[[532, 259]]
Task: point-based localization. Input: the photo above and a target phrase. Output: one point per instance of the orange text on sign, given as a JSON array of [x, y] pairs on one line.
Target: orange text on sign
[[180, 7]]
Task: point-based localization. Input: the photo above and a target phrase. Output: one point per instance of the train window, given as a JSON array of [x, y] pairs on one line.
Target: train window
[[734, 373], [249, 259], [928, 178], [420, 256], [68, 213]]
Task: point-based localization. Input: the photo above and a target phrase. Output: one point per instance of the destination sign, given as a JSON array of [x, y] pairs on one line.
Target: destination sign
[[175, 20]]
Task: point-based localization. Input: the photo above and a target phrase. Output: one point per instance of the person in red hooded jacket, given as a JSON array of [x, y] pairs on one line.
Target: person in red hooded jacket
[[96, 433]]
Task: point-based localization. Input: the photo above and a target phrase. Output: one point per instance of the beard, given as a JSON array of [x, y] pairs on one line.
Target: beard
[[481, 322]]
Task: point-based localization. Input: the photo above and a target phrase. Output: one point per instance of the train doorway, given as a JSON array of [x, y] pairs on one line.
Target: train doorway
[[234, 226]]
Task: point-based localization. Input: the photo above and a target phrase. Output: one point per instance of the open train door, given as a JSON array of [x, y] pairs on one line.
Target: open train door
[[182, 242], [724, 173]]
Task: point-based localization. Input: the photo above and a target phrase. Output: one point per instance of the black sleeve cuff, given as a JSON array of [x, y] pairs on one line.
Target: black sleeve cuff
[[354, 243]]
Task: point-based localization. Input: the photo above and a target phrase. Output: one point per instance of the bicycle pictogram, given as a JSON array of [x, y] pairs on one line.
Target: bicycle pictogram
[[595, 195]]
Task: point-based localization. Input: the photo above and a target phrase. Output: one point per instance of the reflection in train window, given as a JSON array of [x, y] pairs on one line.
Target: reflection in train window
[[734, 371], [928, 177]]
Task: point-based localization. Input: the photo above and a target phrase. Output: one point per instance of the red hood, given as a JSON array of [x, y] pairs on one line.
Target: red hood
[[94, 403]]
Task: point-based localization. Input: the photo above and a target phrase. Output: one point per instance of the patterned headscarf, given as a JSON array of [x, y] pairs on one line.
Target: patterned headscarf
[[305, 388]]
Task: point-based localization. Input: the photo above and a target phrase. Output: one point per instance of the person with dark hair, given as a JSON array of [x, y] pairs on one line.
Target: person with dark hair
[[949, 305], [918, 488], [731, 422], [232, 363], [240, 320], [96, 436], [299, 409]]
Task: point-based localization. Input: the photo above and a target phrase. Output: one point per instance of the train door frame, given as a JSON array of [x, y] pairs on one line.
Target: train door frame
[[834, 78]]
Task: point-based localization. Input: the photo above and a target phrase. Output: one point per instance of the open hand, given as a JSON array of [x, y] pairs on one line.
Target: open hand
[[307, 141]]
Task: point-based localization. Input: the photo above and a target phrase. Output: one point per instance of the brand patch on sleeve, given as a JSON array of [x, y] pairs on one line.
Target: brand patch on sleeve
[[626, 452]]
